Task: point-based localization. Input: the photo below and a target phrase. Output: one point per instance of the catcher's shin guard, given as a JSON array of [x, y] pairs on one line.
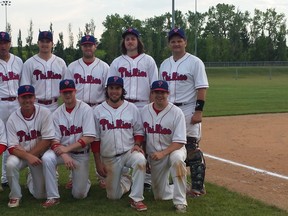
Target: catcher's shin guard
[[195, 160]]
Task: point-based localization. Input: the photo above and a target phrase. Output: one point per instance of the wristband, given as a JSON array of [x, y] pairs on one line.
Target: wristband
[[82, 143], [138, 144], [199, 105], [55, 146]]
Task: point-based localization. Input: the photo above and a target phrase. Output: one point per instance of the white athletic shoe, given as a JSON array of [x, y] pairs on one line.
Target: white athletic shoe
[[180, 208], [14, 202]]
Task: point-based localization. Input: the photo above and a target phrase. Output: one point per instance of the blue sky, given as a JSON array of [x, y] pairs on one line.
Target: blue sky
[[79, 12]]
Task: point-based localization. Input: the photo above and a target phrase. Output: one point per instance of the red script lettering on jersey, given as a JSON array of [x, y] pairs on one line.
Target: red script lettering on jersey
[[70, 131], [173, 77], [90, 79], [158, 129], [27, 137], [120, 124], [10, 76], [50, 75], [135, 72]]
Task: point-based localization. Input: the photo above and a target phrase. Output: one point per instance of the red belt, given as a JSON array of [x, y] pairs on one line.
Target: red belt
[[47, 102], [8, 99]]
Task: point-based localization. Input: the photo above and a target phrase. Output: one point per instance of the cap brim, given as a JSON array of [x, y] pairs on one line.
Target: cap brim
[[160, 89], [26, 93], [176, 34], [132, 33], [88, 42], [6, 40], [68, 89]]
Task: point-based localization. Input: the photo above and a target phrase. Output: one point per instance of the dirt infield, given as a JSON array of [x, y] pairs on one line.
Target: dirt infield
[[257, 141]]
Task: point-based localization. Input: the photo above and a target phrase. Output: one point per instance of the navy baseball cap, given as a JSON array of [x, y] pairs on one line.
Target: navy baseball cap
[[176, 31], [4, 36], [67, 85], [115, 80], [131, 31], [26, 90], [45, 35], [160, 85], [88, 39]]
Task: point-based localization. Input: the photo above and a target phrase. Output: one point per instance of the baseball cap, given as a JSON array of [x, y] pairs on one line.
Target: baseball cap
[[160, 85], [4, 36], [115, 80], [130, 31], [26, 90], [88, 39], [45, 35], [176, 31], [67, 85]]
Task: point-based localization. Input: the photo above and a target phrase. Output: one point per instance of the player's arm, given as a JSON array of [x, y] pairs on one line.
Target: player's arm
[[40, 147], [101, 170], [201, 96], [24, 155], [161, 154], [81, 143]]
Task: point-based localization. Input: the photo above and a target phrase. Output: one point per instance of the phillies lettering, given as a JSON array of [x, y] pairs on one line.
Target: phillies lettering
[[28, 137], [120, 124], [174, 76], [135, 72], [50, 75], [158, 129], [70, 131], [90, 79], [9, 76]]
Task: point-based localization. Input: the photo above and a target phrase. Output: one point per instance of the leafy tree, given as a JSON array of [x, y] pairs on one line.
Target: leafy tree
[[19, 45]]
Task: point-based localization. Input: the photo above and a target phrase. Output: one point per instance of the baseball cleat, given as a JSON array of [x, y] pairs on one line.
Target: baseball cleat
[[51, 202], [139, 206], [14, 202], [69, 184], [180, 208]]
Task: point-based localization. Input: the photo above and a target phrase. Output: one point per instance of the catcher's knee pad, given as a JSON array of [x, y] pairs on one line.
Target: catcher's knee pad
[[195, 160]]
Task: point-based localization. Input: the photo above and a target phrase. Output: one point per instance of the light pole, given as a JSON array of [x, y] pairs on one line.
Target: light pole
[[6, 3], [173, 14], [196, 26]]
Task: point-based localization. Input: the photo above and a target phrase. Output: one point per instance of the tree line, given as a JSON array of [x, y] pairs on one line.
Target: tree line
[[223, 33]]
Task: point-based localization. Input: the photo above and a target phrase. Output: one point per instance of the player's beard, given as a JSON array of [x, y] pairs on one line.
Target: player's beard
[[116, 100]]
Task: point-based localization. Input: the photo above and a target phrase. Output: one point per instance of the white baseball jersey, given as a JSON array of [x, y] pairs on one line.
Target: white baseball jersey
[[44, 76], [184, 77], [10, 74], [138, 75], [70, 127], [116, 128], [163, 129], [90, 80], [3, 138], [26, 132]]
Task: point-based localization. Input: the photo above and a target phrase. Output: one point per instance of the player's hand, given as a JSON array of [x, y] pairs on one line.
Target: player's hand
[[157, 155], [101, 169], [138, 149], [68, 161], [33, 160], [60, 150], [196, 117]]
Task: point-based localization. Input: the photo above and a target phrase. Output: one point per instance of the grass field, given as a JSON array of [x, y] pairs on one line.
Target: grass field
[[232, 92]]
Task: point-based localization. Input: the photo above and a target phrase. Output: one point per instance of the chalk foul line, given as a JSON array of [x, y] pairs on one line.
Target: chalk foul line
[[247, 167]]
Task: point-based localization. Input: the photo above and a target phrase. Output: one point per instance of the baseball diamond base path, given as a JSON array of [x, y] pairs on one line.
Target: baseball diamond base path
[[258, 141]]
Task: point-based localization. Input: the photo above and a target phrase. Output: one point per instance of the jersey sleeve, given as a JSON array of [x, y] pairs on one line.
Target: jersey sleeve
[[138, 125], [88, 122], [153, 71], [69, 73], [26, 76], [12, 138], [97, 124], [47, 130], [3, 137], [179, 134], [201, 80]]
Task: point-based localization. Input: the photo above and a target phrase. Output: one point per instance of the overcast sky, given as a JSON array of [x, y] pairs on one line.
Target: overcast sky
[[79, 12]]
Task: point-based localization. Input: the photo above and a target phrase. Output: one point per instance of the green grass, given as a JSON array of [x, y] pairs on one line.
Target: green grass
[[251, 91], [232, 92]]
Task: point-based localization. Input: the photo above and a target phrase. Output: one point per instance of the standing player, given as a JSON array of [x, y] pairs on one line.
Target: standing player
[[119, 133], [30, 131], [89, 73], [10, 73], [188, 82], [75, 130], [138, 70], [44, 71], [3, 140], [165, 130]]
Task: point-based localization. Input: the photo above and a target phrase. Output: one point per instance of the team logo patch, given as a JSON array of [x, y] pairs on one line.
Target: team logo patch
[[116, 78], [66, 82], [87, 37], [2, 34], [160, 83], [27, 88], [45, 34], [176, 30], [130, 30]]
